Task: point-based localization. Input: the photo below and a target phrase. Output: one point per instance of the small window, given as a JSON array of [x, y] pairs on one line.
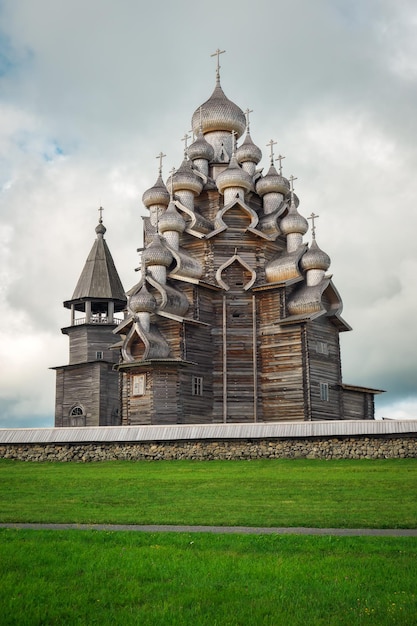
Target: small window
[[322, 348], [77, 416], [324, 392], [138, 385], [99, 355], [76, 410], [197, 386]]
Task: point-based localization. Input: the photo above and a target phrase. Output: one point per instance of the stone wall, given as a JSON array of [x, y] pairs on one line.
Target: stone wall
[[352, 447]]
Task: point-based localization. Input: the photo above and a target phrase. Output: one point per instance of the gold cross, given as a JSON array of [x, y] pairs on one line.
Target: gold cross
[[218, 53]]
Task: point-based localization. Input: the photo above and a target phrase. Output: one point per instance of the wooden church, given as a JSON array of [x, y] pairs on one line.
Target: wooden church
[[234, 318]]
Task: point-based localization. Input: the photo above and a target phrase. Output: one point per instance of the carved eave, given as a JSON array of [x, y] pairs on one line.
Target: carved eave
[[280, 284], [268, 223], [298, 319], [219, 223], [285, 267], [154, 343], [181, 319], [186, 265], [146, 363], [307, 300], [361, 389], [233, 259], [198, 226]]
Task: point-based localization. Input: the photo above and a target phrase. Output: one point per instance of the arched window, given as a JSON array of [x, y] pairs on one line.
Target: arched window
[[77, 415]]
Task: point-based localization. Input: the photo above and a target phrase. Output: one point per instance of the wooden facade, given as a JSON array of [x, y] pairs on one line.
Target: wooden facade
[[234, 318]]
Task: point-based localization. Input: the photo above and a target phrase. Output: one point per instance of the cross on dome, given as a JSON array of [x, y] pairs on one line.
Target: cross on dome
[[280, 158], [292, 179], [101, 214], [313, 217], [247, 118], [217, 54], [160, 156], [185, 140], [233, 141], [271, 144], [172, 172]]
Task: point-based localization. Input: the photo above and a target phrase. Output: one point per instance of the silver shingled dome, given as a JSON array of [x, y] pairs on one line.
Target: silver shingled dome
[[142, 301], [184, 179], [315, 258], [248, 151], [219, 113], [171, 220], [156, 253], [233, 176], [272, 182], [201, 149], [156, 195], [293, 222]]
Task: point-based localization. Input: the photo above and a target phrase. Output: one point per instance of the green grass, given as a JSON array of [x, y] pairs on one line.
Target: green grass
[[112, 578], [345, 493]]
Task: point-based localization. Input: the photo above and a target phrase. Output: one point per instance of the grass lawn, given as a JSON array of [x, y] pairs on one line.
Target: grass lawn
[[281, 492], [112, 578]]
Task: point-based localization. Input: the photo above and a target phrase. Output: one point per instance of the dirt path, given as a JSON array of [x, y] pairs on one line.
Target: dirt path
[[244, 530]]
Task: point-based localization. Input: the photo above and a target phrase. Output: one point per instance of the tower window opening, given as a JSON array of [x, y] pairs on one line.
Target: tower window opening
[[322, 348], [77, 416], [324, 392], [197, 386], [99, 355]]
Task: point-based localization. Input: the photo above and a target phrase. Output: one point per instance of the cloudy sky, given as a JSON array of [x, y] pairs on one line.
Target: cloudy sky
[[92, 90]]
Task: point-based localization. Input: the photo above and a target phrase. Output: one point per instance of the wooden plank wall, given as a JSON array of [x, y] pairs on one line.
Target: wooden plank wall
[[324, 366], [87, 339], [281, 363]]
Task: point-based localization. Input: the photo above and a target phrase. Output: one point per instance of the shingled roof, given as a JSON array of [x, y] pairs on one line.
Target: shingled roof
[[99, 278]]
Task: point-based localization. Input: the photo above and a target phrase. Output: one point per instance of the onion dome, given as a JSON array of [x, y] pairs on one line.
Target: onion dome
[[315, 258], [200, 149], [293, 222], [248, 151], [184, 179], [171, 220], [158, 194], [100, 229], [272, 182], [156, 253], [219, 113], [142, 301], [234, 176]]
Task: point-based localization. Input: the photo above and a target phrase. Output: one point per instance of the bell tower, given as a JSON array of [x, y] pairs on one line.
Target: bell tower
[[87, 389]]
